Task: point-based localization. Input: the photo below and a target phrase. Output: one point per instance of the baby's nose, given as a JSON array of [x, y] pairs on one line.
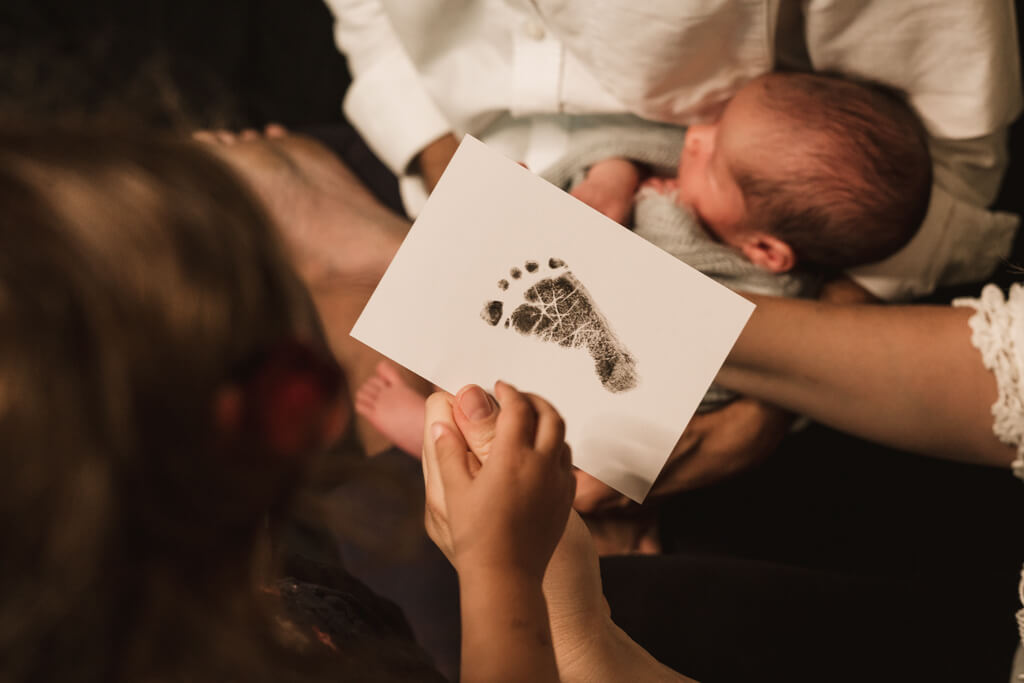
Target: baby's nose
[[696, 138]]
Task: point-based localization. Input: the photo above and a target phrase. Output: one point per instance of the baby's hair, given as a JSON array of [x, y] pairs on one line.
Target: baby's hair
[[137, 276], [851, 174]]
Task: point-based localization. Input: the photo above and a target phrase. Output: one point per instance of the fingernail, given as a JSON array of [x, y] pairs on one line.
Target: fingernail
[[474, 403], [436, 430]]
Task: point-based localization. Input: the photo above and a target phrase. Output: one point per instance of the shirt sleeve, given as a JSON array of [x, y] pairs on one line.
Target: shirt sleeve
[[386, 102], [958, 242], [958, 64]]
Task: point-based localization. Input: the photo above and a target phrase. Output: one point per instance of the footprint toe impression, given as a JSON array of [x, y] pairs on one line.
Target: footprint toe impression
[[557, 308]]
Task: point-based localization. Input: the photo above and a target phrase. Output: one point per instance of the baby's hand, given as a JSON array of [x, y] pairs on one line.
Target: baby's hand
[[665, 186], [609, 187], [511, 514]]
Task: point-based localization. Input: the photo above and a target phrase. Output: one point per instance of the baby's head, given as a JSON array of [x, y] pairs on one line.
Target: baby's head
[[811, 168]]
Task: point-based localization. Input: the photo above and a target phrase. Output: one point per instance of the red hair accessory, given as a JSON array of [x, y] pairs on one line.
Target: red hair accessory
[[287, 397]]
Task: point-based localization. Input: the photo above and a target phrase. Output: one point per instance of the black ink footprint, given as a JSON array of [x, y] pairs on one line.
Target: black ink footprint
[[559, 309]]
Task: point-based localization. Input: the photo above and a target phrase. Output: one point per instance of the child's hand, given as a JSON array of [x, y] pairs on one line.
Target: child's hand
[[609, 187], [511, 514]]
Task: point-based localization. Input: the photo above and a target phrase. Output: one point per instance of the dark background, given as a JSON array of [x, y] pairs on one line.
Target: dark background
[[229, 62]]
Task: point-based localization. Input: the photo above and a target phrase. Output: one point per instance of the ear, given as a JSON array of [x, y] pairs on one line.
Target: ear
[[768, 252]]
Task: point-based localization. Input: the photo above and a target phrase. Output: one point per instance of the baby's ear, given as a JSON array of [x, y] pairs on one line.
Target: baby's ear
[[768, 252]]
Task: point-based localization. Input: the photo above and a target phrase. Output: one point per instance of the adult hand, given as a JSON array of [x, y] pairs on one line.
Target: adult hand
[[715, 445], [573, 571], [721, 443], [724, 442], [587, 644], [475, 414], [580, 621], [609, 187], [509, 511]]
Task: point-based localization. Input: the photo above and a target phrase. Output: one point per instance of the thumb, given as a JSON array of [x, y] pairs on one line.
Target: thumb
[[476, 415]]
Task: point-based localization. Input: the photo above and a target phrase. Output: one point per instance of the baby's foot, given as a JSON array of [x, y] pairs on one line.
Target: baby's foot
[[394, 408], [558, 309]]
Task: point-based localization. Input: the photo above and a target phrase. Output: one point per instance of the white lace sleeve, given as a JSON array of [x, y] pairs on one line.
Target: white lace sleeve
[[997, 330]]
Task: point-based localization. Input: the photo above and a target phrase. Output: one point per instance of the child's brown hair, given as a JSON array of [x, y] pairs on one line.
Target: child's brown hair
[[137, 278]]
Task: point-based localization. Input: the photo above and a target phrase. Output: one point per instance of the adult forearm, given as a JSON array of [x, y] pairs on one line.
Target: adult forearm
[[905, 376], [589, 647], [612, 656]]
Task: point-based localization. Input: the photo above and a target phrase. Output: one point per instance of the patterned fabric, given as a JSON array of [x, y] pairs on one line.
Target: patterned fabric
[[997, 331]]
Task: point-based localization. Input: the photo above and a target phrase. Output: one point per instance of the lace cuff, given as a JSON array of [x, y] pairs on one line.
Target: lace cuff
[[1020, 613], [996, 331]]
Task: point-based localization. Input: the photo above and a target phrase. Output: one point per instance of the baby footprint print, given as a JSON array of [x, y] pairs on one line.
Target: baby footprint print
[[557, 308]]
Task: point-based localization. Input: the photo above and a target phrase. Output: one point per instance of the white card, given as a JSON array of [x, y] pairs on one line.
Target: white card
[[632, 338]]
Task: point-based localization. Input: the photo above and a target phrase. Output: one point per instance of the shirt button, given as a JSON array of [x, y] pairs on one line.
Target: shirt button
[[534, 29]]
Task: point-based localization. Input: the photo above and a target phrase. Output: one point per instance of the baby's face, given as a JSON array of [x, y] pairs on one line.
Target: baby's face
[[706, 179]]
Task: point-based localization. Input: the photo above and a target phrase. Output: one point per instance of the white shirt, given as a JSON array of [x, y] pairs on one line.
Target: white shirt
[[423, 68]]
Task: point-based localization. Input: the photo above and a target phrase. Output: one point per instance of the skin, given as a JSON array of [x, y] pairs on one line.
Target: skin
[[322, 211], [705, 182], [341, 239], [746, 133], [706, 179], [609, 187], [719, 444], [904, 376], [484, 516], [787, 354], [503, 517], [884, 373], [393, 407]]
